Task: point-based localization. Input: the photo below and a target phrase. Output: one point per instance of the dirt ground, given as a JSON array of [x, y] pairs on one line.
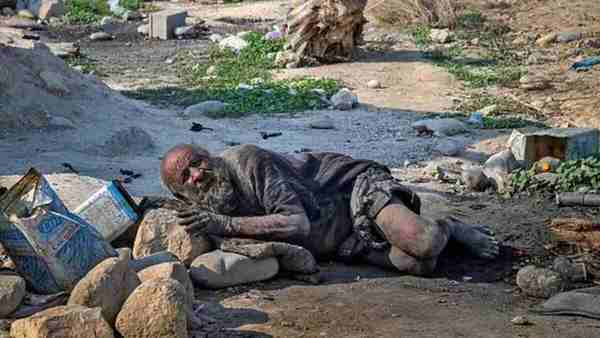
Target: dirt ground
[[465, 298]]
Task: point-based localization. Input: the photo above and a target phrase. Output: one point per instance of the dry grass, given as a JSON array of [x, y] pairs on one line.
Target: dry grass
[[436, 13]]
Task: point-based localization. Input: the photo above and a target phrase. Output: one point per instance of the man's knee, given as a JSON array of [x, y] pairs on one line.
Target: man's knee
[[415, 235]]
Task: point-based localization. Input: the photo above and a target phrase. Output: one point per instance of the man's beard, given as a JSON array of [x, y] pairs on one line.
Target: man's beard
[[218, 193]]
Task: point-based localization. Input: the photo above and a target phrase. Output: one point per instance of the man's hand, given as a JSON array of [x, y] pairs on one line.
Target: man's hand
[[203, 221]]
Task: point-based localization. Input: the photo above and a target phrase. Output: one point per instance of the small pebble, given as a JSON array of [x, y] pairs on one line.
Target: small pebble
[[520, 320], [374, 84]]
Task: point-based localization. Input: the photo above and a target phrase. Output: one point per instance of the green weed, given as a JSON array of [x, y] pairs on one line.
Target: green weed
[[85, 12]]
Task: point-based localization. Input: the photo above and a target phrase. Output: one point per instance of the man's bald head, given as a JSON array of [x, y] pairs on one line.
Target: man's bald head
[[177, 160]]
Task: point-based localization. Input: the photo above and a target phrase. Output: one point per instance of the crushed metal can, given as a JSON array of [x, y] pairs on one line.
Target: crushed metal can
[[111, 211], [52, 248]]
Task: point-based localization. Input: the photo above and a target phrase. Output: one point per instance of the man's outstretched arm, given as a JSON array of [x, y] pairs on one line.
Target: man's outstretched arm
[[280, 226]]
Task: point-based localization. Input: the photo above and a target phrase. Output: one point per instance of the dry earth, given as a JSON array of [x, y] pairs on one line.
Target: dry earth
[[354, 301]]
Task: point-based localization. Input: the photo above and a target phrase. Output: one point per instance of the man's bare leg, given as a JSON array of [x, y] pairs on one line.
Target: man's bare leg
[[417, 242]]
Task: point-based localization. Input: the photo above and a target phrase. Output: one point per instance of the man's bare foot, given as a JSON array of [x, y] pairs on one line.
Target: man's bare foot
[[480, 240]]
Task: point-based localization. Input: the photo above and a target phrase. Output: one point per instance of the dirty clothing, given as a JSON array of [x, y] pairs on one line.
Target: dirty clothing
[[340, 195]]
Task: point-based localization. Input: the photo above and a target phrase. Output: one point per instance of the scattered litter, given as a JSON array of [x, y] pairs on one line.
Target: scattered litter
[[197, 127], [581, 302], [70, 167], [538, 282], [586, 64], [266, 135], [577, 199]]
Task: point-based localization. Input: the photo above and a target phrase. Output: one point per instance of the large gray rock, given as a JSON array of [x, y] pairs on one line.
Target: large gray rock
[[475, 179], [12, 291], [218, 269], [344, 99], [503, 162], [157, 308], [450, 147], [101, 36], [441, 35], [172, 270], [161, 257], [235, 43], [107, 286], [132, 140], [538, 282], [70, 321], [159, 231], [204, 108], [440, 127]]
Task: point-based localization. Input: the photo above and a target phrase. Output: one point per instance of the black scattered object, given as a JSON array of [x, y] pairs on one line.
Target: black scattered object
[[266, 135], [126, 172], [196, 127], [136, 176], [70, 167]]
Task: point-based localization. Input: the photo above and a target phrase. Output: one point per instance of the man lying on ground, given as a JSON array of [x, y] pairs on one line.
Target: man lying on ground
[[331, 204]]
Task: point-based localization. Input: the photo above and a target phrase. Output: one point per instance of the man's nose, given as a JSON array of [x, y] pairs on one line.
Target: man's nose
[[195, 175]]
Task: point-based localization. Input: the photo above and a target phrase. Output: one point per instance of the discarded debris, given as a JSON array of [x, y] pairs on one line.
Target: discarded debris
[[266, 135], [197, 127], [162, 24], [31, 205], [586, 64], [584, 233], [581, 302], [578, 199], [111, 210], [538, 282]]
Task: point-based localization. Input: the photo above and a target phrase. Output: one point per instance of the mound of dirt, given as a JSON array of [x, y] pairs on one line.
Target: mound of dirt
[[39, 90]]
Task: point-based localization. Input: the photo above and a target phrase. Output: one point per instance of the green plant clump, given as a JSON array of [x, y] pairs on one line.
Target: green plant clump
[[85, 12], [252, 66]]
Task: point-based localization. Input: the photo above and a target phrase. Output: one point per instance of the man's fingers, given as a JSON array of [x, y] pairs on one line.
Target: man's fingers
[[186, 213]]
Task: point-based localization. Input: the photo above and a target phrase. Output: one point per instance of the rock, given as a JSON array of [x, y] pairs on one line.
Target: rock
[[51, 8], [12, 291], [489, 110], [550, 179], [61, 122], [440, 127], [157, 308], [243, 86], [106, 286], [274, 35], [101, 36], [107, 20], [441, 35], [159, 231], [475, 179], [535, 82], [547, 164], [216, 38], [546, 40], [521, 41], [568, 270], [55, 82], [25, 14], [132, 140], [538, 282], [70, 321], [449, 147], [184, 31], [235, 43], [203, 108], [22, 23], [567, 37], [212, 70], [161, 257], [143, 29], [503, 162], [7, 11], [344, 99], [173, 270], [218, 269], [520, 320], [325, 122], [374, 84]]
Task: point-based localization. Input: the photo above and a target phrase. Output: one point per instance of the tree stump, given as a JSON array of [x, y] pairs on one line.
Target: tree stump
[[323, 31]]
